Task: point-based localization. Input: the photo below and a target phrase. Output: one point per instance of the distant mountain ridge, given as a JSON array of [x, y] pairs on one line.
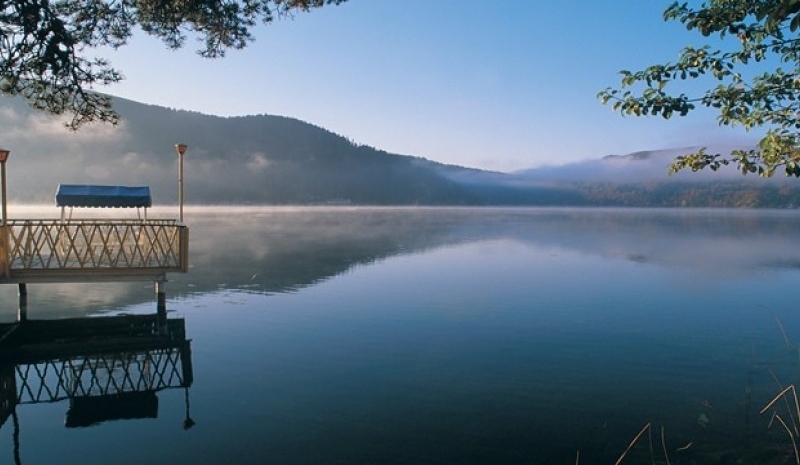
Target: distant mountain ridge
[[266, 159]]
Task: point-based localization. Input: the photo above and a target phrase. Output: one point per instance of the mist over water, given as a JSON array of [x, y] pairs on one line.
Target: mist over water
[[454, 335]]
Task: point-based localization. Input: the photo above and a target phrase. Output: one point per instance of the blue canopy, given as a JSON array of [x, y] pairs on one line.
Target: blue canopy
[[72, 195]]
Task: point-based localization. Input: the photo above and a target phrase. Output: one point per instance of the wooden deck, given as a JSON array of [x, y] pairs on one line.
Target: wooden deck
[[91, 250]]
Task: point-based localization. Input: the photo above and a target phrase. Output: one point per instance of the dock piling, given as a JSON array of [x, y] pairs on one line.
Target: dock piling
[[161, 304], [22, 308]]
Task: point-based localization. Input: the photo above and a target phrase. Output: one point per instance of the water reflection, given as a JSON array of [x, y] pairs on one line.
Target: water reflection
[[277, 250], [108, 368], [490, 336]]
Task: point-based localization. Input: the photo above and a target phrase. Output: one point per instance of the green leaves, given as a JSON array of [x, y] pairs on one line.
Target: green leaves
[[761, 30], [697, 161], [653, 101]]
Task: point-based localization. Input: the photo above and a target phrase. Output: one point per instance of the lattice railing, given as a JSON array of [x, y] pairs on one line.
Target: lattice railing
[[100, 375], [95, 244]]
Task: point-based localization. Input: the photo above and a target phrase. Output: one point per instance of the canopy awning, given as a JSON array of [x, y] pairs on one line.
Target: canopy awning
[[73, 195]]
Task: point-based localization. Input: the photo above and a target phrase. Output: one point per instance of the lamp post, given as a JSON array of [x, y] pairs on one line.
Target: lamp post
[[181, 149]]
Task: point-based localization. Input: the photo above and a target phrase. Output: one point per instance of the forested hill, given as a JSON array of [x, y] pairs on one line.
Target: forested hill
[[267, 159], [252, 160]]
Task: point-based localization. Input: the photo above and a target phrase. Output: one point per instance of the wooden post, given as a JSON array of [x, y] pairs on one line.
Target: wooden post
[[5, 266], [8, 392], [183, 231], [161, 305], [22, 309], [5, 251], [3, 158]]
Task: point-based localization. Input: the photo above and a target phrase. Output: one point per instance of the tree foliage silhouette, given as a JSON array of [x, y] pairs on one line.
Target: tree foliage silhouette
[[45, 45], [761, 35]]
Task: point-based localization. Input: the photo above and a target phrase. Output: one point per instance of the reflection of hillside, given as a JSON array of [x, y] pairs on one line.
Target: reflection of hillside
[[716, 241], [268, 250], [278, 250], [282, 249]]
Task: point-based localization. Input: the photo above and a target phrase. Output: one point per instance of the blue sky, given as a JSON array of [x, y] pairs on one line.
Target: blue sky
[[500, 85]]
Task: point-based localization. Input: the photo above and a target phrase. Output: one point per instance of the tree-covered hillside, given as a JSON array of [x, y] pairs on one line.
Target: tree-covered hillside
[[253, 159], [276, 160]]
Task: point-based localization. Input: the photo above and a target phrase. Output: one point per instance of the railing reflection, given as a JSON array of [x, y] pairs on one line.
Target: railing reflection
[[108, 368]]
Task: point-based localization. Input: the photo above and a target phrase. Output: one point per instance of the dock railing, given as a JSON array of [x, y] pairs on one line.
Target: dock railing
[[110, 247]]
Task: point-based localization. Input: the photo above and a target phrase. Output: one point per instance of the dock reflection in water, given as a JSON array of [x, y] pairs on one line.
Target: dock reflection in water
[[107, 368]]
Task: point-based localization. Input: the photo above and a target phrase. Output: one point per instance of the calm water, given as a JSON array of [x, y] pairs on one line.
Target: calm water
[[454, 336]]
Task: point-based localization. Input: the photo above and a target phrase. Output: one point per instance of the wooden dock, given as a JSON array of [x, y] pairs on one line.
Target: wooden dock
[[70, 250], [107, 367], [34, 250]]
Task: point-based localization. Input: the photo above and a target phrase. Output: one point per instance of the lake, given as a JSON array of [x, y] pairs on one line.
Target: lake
[[448, 336]]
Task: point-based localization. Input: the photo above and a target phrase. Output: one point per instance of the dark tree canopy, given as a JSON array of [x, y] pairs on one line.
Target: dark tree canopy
[[44, 43], [759, 35]]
